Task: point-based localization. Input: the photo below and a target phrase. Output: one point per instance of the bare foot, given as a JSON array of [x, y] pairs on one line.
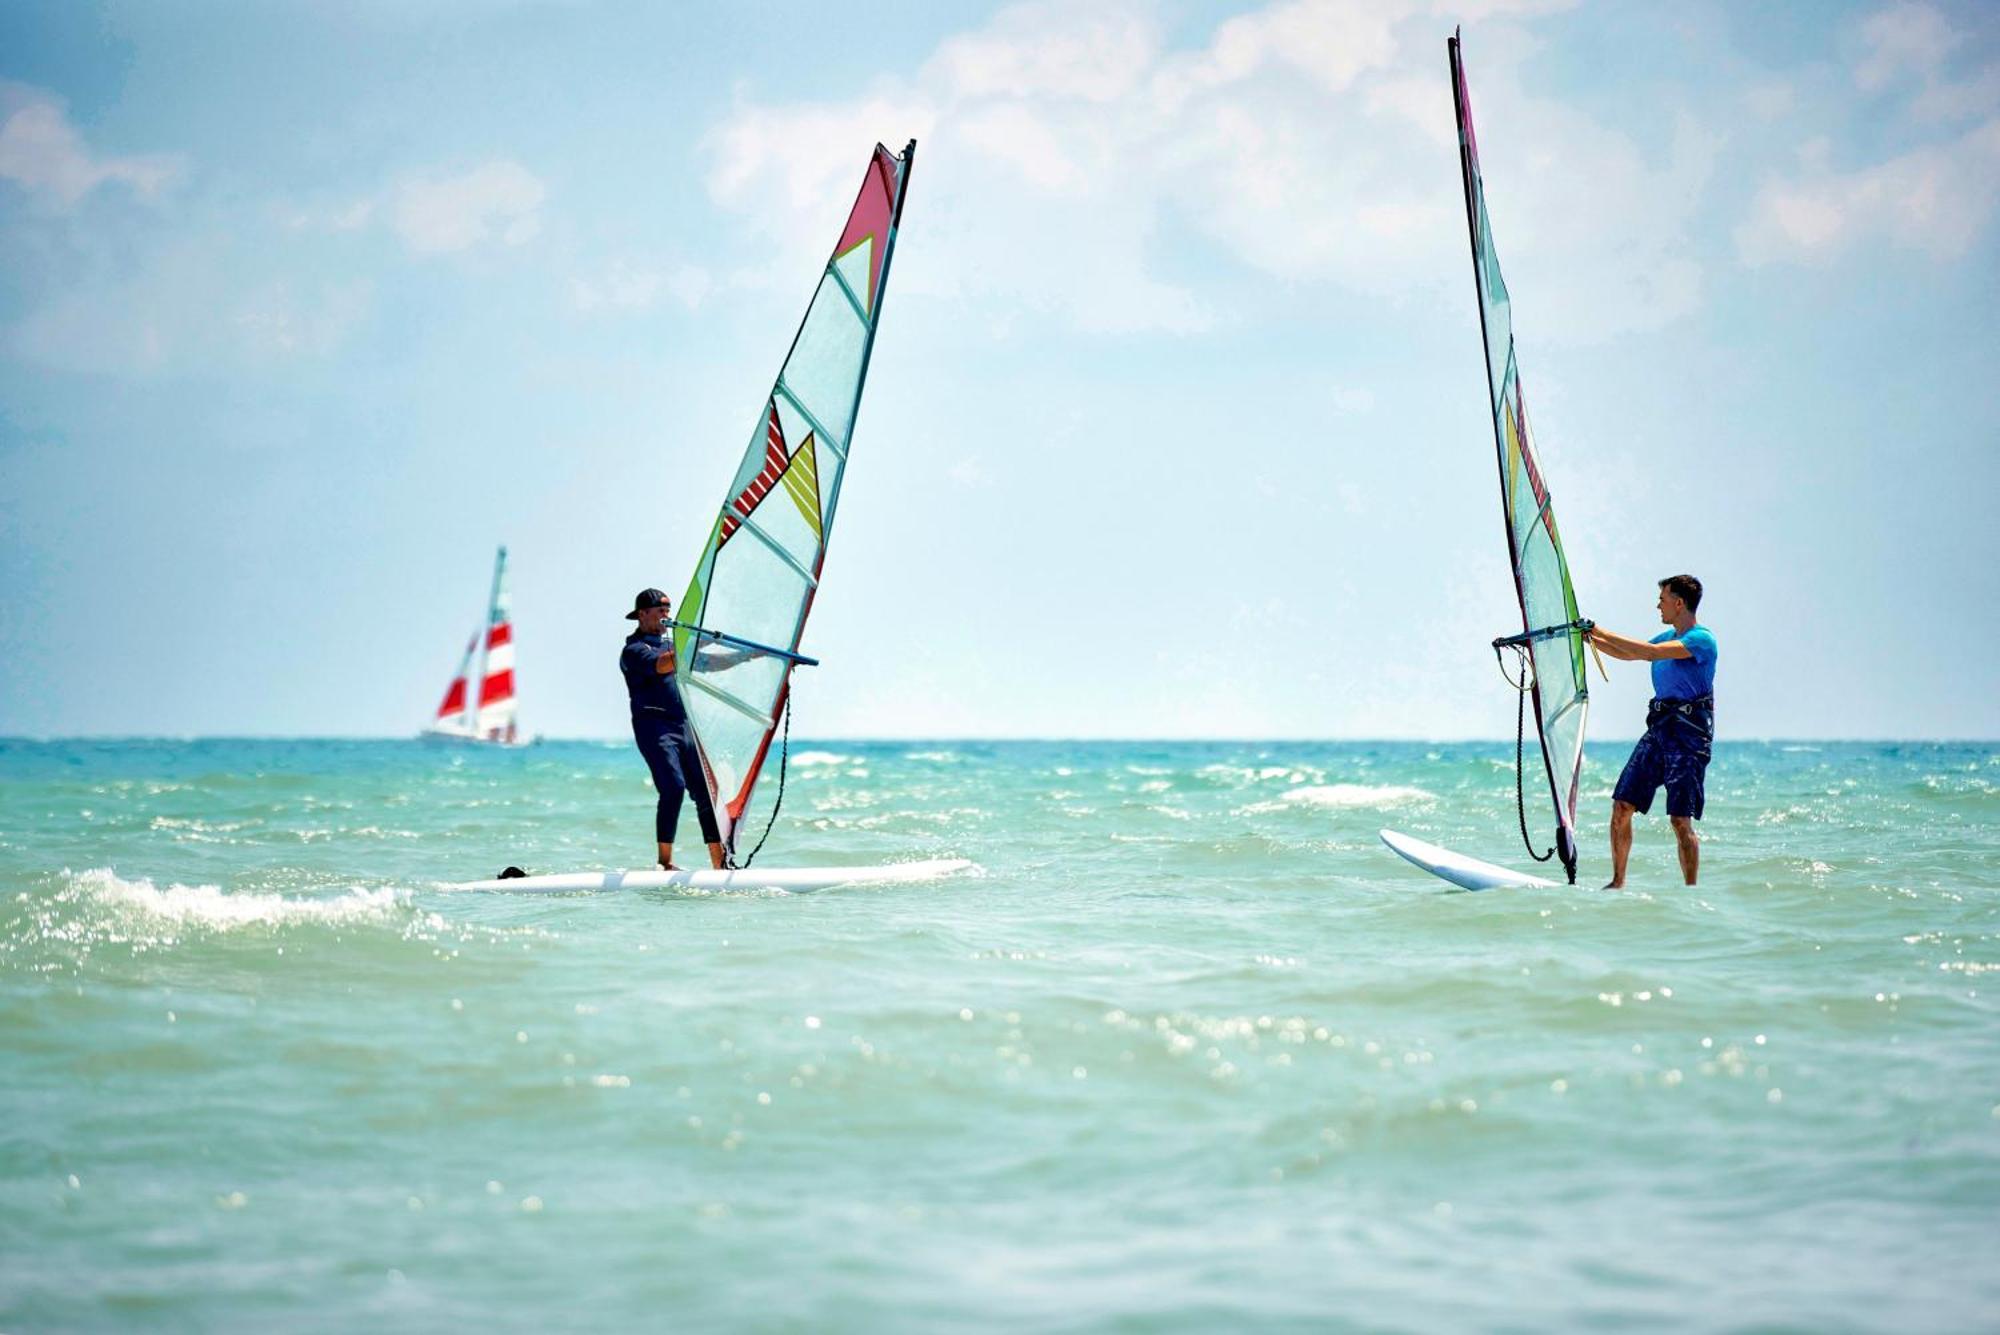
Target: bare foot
[[1614, 885], [668, 866]]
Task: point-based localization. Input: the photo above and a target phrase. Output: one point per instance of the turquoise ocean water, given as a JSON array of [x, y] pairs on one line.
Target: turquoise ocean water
[[1193, 1052]]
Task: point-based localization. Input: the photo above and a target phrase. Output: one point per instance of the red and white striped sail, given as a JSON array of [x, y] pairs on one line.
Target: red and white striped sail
[[490, 715], [453, 708], [496, 687]]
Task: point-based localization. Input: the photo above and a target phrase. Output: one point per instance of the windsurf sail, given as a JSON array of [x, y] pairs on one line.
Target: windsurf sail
[[489, 714], [758, 573], [1551, 644]]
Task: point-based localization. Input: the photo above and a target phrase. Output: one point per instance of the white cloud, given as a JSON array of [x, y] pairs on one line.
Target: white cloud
[[1959, 99], [632, 285], [969, 473], [1770, 101], [188, 306], [1936, 199], [1072, 156], [207, 285], [1916, 43], [1350, 401], [350, 216], [1017, 136], [1330, 43], [1097, 53], [623, 286], [1904, 39], [771, 162], [497, 201], [285, 318], [437, 212], [41, 152]]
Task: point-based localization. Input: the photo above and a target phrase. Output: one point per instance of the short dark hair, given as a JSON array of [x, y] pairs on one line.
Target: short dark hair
[[1684, 587]]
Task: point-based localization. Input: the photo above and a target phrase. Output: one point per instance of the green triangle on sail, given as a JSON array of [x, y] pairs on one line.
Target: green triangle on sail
[[801, 482], [856, 266]]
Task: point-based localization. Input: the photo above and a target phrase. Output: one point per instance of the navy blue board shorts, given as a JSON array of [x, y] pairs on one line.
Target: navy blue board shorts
[[1680, 735]]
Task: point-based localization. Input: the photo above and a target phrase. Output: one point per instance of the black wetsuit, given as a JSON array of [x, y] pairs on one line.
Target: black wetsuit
[[660, 727]]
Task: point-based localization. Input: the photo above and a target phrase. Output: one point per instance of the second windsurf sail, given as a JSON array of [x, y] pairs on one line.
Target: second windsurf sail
[[1551, 643]]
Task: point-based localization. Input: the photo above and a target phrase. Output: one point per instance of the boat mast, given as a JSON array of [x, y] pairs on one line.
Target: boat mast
[[476, 697]]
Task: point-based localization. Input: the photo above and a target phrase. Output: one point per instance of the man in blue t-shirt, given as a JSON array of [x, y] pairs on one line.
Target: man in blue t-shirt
[[1680, 726]]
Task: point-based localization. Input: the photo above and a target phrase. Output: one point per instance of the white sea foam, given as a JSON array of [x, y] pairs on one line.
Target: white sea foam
[[822, 758], [1345, 796], [1254, 774], [211, 906], [196, 831]]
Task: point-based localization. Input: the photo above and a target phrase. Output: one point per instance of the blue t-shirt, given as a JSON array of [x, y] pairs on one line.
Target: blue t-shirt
[[1686, 678]]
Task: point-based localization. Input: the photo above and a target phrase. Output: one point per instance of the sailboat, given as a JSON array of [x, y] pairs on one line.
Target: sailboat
[[482, 714], [1548, 654], [737, 640]]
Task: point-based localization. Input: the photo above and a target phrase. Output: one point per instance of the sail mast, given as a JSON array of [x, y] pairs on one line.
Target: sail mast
[[1469, 181], [477, 697]]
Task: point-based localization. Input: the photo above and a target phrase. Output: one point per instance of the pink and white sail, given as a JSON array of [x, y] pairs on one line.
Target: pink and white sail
[[489, 714]]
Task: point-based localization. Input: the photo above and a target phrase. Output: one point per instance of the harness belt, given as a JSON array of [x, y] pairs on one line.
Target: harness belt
[[1693, 708]]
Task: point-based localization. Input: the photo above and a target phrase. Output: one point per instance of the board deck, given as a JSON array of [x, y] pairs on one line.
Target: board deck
[[1460, 870], [756, 878]]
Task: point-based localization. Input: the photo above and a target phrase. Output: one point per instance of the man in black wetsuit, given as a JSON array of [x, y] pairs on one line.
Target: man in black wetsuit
[[660, 726]]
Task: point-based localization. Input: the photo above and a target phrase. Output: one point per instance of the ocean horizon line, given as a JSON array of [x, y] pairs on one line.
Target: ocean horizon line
[[972, 739]]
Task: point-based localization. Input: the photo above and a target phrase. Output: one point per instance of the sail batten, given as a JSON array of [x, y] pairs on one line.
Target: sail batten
[[820, 433], [1576, 702], [852, 300], [777, 548], [1553, 630], [742, 707], [785, 492]]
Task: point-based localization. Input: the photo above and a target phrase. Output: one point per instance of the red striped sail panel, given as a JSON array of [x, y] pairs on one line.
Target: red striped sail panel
[[498, 688], [775, 458], [454, 695]]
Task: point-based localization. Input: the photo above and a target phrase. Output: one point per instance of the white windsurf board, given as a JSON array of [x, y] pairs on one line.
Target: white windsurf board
[[1460, 870], [756, 878]]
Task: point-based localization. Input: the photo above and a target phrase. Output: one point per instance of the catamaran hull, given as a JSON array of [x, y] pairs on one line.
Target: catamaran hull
[[1460, 870], [429, 738], [795, 879]]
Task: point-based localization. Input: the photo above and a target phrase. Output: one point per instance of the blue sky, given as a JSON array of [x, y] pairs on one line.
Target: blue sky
[[1176, 424]]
